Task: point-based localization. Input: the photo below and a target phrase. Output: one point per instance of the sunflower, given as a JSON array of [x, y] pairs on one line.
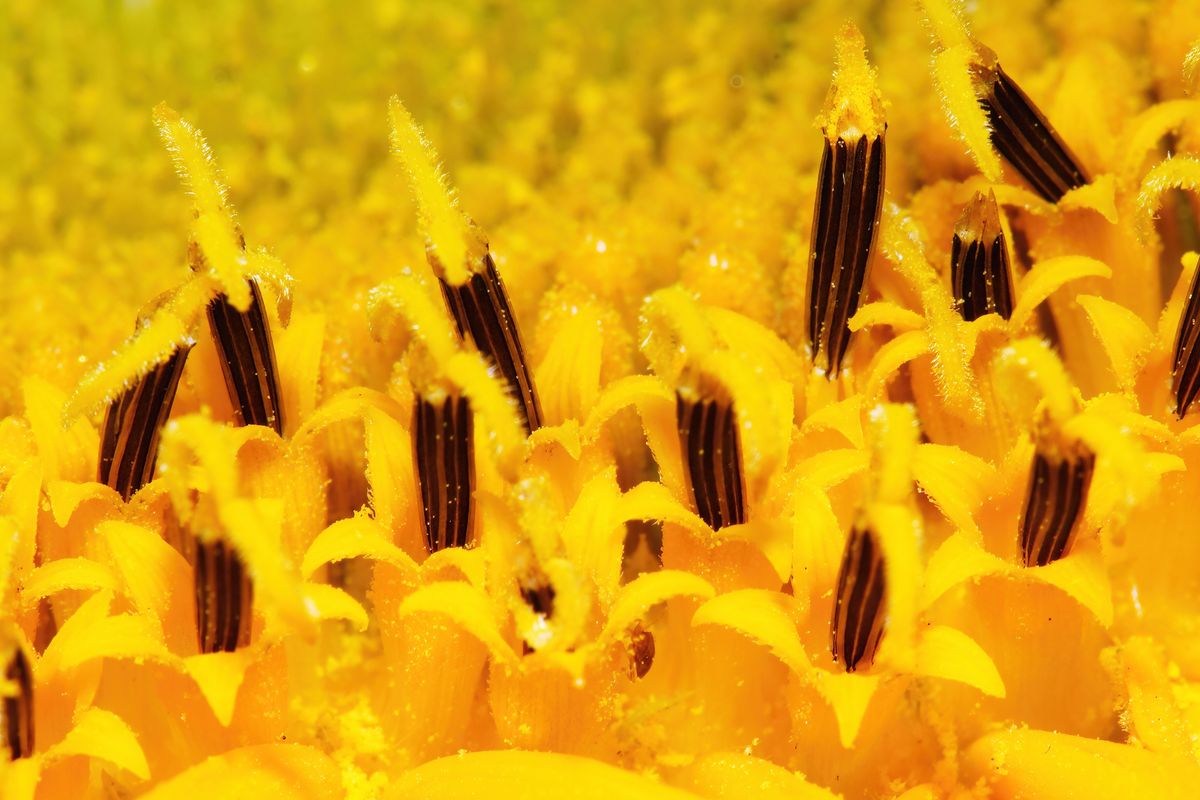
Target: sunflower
[[685, 400]]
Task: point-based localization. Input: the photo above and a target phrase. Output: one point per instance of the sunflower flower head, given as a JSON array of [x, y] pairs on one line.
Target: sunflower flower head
[[672, 401]]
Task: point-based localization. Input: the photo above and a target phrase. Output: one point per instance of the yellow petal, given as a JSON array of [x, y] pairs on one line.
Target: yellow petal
[[565, 436], [454, 563], [957, 560], [848, 694], [465, 605], [1083, 576], [518, 775], [945, 652], [390, 480], [1047, 277], [151, 570], [569, 373], [124, 636], [651, 501], [67, 452], [103, 736], [817, 541], [957, 483], [1099, 195], [298, 351], [19, 779], [1168, 320], [648, 590], [63, 574], [736, 776], [1055, 766], [329, 602], [844, 416], [67, 496], [655, 403], [832, 467], [767, 618], [593, 531], [355, 537], [64, 645], [277, 771], [1126, 339], [219, 676]]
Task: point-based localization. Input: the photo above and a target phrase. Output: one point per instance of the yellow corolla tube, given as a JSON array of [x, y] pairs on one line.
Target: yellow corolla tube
[[410, 399]]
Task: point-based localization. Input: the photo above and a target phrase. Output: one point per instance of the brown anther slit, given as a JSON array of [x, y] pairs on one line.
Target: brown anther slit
[[224, 597], [710, 443], [481, 311], [444, 452], [845, 221], [1185, 363], [1026, 139], [641, 650], [17, 716], [247, 355], [1054, 504], [133, 424], [980, 275], [859, 610]]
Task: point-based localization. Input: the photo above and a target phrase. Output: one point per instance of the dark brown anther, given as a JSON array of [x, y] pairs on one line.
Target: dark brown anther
[[539, 594], [859, 610], [1054, 502], [16, 710], [243, 340], [1023, 135], [849, 202], [224, 597], [641, 650], [444, 452], [1185, 364], [710, 444], [134, 423], [979, 269], [481, 311]]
